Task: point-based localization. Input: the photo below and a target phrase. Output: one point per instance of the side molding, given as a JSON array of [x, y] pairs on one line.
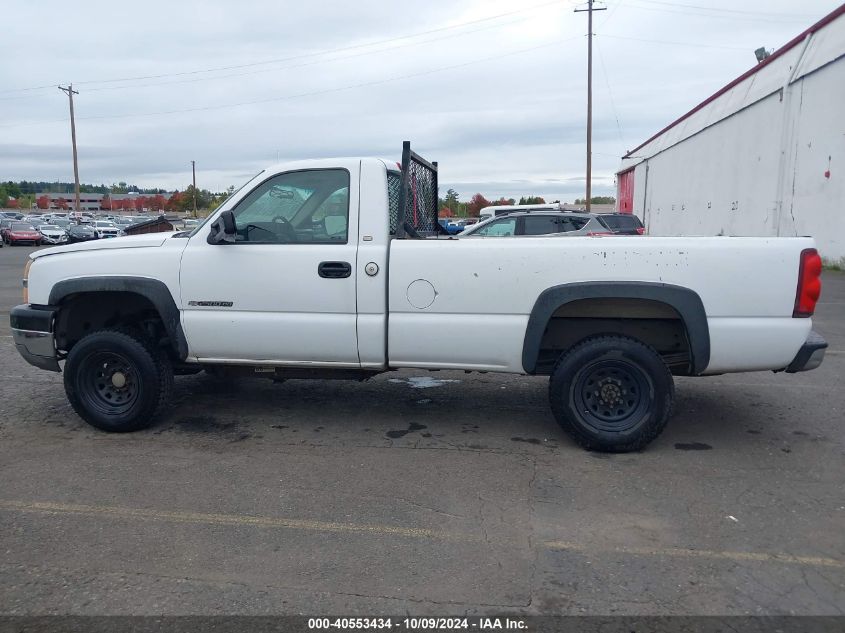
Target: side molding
[[154, 290], [686, 303]]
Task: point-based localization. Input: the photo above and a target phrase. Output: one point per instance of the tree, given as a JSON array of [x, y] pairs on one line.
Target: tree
[[503, 202], [476, 203], [451, 200], [43, 202], [532, 200], [446, 212], [157, 203], [61, 203], [175, 202], [597, 200], [13, 190], [105, 203]]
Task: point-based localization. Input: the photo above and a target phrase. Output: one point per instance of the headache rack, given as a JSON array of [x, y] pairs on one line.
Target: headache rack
[[413, 196]]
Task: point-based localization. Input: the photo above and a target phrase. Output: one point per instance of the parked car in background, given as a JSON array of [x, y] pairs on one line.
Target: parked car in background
[[62, 223], [52, 234], [504, 209], [123, 222], [450, 226], [22, 233], [538, 223], [623, 223], [5, 223], [189, 224], [106, 228], [12, 215], [80, 233]]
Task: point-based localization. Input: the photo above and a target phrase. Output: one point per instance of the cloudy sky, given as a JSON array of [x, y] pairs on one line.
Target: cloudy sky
[[494, 90]]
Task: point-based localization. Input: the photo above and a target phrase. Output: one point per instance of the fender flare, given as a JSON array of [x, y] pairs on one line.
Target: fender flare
[[153, 290], [685, 302]]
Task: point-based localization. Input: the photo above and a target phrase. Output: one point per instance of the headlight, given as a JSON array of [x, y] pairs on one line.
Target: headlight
[[25, 281]]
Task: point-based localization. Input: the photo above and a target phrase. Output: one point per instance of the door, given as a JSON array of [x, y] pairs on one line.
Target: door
[[284, 291], [625, 190]]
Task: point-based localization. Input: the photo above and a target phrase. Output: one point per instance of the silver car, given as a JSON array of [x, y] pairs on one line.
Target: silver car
[[538, 224], [51, 234]]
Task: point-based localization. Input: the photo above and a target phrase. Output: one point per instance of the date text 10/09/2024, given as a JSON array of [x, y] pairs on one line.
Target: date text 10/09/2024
[[417, 624]]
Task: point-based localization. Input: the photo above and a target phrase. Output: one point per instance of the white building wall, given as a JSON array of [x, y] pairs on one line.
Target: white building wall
[[817, 200], [765, 158]]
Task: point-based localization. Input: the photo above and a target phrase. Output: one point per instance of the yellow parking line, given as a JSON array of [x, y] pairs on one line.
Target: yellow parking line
[[757, 557], [221, 519], [239, 520]]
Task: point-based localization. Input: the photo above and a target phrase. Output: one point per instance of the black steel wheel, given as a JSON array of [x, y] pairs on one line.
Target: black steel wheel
[[611, 393], [110, 382], [117, 381]]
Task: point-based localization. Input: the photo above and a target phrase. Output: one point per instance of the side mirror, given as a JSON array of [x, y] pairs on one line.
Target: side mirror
[[223, 229]]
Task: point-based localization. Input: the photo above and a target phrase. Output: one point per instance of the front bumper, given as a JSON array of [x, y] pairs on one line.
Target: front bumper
[[32, 332], [810, 355]]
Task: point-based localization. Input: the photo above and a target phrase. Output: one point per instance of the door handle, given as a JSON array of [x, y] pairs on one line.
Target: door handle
[[334, 270]]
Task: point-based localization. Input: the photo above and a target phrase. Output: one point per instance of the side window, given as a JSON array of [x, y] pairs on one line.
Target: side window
[[572, 224], [502, 228], [540, 224], [299, 207]]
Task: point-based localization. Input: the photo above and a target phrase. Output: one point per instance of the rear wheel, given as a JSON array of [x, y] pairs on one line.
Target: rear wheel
[[117, 381], [612, 394]]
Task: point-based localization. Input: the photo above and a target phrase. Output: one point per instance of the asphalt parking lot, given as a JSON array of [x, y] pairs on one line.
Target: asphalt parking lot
[[440, 493]]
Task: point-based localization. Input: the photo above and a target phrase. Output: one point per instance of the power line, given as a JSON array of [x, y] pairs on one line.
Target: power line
[[610, 13], [289, 67], [693, 44], [689, 11], [610, 94], [722, 10], [312, 63], [376, 82], [303, 55]]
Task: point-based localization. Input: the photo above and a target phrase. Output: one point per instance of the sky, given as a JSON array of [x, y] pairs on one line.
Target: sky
[[493, 90]]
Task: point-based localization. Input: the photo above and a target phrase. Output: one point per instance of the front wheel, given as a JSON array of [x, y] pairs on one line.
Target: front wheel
[[117, 381], [612, 394]]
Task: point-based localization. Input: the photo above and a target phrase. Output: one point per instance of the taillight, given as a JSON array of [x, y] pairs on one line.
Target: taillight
[[593, 233], [809, 283], [640, 230]]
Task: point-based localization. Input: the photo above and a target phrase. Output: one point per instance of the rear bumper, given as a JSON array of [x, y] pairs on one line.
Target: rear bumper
[[32, 332], [810, 355]]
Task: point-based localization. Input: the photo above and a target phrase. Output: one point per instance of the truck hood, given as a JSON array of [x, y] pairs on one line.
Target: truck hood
[[133, 241]]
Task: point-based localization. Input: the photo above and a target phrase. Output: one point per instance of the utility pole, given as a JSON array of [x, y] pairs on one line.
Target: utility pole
[[589, 11], [70, 92], [194, 172]]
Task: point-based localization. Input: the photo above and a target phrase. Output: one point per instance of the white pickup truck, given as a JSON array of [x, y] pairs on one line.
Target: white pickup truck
[[320, 269]]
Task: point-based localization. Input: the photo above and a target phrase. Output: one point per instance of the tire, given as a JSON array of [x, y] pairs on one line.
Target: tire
[[611, 394], [127, 358]]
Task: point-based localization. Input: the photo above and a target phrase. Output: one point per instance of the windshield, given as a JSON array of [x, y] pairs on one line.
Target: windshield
[[49, 227], [225, 202], [21, 226], [105, 224]]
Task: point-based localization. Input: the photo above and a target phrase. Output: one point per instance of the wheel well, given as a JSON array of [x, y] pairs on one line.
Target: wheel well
[[653, 322], [85, 312]]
